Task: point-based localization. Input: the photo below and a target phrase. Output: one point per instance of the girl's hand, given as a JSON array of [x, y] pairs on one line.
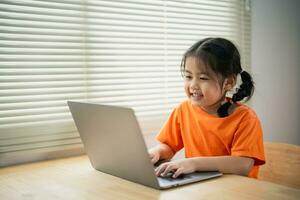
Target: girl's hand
[[178, 167], [154, 156]]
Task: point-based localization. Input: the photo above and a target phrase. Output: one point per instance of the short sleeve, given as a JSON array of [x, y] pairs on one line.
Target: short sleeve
[[170, 133], [248, 141]]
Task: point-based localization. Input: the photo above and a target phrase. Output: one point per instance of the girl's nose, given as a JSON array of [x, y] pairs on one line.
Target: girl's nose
[[194, 85]]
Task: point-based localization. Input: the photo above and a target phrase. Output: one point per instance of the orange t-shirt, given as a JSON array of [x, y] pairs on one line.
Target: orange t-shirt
[[202, 134]]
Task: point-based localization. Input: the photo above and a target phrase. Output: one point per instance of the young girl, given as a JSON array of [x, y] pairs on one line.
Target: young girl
[[218, 133]]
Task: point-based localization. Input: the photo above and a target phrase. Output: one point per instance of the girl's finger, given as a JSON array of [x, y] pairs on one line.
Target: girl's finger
[[168, 169], [178, 172], [160, 169], [153, 160]]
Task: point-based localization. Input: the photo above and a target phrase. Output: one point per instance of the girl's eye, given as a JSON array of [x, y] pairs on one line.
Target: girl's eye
[[187, 77], [204, 78]]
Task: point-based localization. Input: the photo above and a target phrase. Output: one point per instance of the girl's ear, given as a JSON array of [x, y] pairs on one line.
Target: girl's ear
[[229, 83]]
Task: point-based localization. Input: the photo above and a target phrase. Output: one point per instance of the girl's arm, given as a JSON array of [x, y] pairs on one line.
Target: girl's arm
[[225, 164], [159, 152]]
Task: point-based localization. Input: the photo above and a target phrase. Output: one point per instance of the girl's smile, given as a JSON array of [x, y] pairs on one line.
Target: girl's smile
[[196, 96]]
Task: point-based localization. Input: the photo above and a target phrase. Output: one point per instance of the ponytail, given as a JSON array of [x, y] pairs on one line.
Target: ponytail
[[246, 90]]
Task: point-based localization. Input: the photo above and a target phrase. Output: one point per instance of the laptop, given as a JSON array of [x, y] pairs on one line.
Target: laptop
[[115, 145]]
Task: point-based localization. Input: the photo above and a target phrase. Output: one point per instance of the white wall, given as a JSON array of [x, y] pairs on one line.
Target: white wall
[[276, 68]]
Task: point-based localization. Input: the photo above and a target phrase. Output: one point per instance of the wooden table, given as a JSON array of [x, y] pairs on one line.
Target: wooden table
[[74, 178]]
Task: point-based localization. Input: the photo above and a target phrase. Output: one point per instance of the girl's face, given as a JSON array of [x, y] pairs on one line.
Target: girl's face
[[202, 87]]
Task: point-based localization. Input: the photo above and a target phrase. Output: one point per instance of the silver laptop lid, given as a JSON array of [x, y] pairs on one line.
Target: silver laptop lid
[[113, 141]]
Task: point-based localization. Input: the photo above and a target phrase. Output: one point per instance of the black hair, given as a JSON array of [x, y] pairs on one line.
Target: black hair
[[223, 58]]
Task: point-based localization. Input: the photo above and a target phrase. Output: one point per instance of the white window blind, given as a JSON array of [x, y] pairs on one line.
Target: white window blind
[[123, 52]]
